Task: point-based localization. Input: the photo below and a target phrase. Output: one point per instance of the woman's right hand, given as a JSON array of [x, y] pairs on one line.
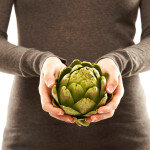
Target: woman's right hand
[[50, 70]]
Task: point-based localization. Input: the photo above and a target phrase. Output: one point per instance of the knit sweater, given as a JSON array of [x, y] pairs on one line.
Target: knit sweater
[[75, 29]]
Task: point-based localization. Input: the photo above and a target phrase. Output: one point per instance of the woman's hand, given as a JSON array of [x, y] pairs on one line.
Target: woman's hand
[[50, 70], [114, 85]]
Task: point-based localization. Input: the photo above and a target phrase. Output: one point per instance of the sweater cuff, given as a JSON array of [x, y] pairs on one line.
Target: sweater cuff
[[32, 61], [64, 61], [121, 58]]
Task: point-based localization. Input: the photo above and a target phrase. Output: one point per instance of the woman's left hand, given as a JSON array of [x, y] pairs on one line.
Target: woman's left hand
[[114, 85]]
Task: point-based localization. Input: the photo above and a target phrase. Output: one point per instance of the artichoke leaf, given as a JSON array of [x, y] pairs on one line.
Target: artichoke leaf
[[103, 86], [70, 111], [97, 67], [88, 64], [64, 81], [75, 77], [98, 76], [88, 83], [65, 71], [84, 105], [76, 67], [65, 97], [92, 93], [76, 121], [54, 93], [82, 122], [83, 75], [96, 73], [76, 91], [106, 75], [75, 62], [90, 113], [103, 101], [54, 103]]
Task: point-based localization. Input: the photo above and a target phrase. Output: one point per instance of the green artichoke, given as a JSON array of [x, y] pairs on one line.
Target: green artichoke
[[80, 90]]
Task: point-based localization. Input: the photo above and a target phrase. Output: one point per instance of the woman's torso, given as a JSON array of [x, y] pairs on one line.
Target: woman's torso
[[86, 30]]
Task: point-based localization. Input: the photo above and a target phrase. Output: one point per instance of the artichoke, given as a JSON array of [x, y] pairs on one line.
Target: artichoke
[[80, 90]]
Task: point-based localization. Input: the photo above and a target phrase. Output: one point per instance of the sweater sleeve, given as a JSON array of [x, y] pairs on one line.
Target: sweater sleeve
[[18, 60], [136, 58]]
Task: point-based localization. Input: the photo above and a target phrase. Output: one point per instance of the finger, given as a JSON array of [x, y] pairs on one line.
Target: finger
[[112, 82], [46, 101], [65, 118], [113, 104], [99, 117], [48, 107]]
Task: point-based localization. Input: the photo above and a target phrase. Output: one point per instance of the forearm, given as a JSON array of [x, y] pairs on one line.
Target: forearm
[[21, 61], [133, 59]]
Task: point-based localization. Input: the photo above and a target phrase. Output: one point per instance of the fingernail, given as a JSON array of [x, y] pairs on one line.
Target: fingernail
[[50, 84], [61, 113], [70, 120], [100, 112], [88, 121], [93, 119], [110, 89]]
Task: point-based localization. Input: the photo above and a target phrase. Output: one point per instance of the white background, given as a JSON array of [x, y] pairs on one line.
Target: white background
[[6, 80]]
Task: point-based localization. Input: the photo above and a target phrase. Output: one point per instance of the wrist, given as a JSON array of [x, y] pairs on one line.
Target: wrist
[[108, 61], [53, 59]]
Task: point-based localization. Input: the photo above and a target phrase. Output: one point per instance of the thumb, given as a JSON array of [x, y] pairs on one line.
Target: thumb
[[112, 83], [49, 79], [58, 70]]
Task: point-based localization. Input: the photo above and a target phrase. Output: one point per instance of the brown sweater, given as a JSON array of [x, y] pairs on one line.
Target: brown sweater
[[69, 29]]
